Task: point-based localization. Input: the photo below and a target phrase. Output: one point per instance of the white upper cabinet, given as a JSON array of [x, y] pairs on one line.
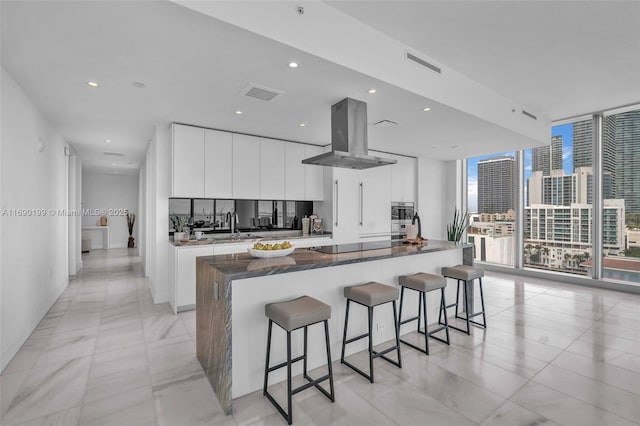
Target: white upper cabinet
[[403, 179], [218, 158], [314, 175], [188, 161], [272, 169], [246, 167], [295, 182]]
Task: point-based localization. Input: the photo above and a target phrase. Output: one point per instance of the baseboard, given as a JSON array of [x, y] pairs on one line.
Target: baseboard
[[563, 278]]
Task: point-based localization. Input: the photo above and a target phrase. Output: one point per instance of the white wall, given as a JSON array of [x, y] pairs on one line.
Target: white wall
[[112, 193], [157, 170], [33, 249], [75, 221]]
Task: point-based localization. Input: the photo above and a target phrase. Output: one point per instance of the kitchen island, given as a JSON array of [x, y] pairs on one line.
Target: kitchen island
[[231, 291]]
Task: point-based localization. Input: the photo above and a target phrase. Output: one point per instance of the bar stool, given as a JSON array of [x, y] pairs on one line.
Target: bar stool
[[292, 315], [370, 295], [424, 283], [466, 274]]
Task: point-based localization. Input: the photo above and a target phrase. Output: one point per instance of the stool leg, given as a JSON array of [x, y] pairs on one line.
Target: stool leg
[[401, 303], [423, 295], [397, 327], [457, 297], [484, 318], [370, 309], [326, 338], [289, 394], [304, 354], [266, 365], [466, 306], [344, 335], [443, 306], [419, 312]]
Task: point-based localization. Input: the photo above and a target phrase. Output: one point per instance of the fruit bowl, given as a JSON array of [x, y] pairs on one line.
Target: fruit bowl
[[265, 254]]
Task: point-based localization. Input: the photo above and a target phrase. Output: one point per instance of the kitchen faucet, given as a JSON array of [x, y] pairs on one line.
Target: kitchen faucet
[[413, 222], [234, 224]]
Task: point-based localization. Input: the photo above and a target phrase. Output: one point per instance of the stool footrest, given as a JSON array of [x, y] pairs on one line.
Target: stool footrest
[[353, 339], [476, 314], [320, 388], [377, 354], [409, 320], [284, 364], [313, 382]]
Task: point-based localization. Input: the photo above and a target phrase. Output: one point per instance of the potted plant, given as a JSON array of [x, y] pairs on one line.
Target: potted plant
[[456, 229], [178, 225], [131, 220]]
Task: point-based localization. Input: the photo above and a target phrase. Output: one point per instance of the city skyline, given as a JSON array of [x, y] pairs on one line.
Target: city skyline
[[563, 130]]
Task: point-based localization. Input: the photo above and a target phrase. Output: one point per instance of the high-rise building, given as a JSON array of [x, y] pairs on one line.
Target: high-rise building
[[548, 158], [582, 144], [626, 128], [583, 147], [496, 190]]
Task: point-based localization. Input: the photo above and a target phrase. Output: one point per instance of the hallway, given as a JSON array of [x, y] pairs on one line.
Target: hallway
[[554, 354]]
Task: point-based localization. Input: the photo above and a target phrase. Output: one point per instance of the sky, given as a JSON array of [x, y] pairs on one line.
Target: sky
[[565, 130]]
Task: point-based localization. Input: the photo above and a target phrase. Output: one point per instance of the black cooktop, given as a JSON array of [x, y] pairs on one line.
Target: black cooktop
[[348, 248]]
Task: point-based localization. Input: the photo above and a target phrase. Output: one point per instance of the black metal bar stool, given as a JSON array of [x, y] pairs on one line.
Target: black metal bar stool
[[292, 315], [424, 283], [370, 295], [466, 274]]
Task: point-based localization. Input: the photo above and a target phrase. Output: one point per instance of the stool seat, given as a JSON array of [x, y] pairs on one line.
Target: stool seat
[[462, 272], [423, 282], [372, 293], [298, 312]]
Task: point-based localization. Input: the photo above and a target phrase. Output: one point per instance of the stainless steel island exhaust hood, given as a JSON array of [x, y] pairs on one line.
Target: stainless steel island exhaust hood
[[349, 145]]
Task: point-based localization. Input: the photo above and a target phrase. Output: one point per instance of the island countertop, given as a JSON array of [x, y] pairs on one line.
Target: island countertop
[[243, 265]]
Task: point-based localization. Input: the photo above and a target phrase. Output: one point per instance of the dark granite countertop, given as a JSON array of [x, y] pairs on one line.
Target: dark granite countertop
[[243, 265]]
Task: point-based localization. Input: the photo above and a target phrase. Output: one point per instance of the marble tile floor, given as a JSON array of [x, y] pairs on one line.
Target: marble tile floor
[[554, 353]]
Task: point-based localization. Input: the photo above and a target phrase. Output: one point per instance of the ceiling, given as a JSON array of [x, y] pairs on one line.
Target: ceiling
[[194, 68], [560, 58]]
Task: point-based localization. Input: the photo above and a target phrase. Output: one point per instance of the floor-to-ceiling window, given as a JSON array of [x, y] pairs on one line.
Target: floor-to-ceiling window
[[491, 203], [561, 185], [621, 196], [558, 200]]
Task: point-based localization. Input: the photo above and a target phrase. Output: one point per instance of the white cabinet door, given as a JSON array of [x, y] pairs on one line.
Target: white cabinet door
[[246, 167], [186, 275], [314, 176], [374, 199], [295, 171], [218, 157], [188, 161], [410, 168], [272, 169], [403, 179], [346, 205]]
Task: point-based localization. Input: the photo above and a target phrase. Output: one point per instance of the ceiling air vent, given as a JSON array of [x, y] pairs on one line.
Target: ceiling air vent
[[113, 154], [383, 124], [528, 114], [424, 63], [261, 93]]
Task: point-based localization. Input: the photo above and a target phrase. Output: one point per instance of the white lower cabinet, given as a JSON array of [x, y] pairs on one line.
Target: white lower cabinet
[[182, 275], [182, 265]]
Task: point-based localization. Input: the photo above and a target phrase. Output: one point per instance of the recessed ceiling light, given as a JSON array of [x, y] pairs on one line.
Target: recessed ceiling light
[[92, 84], [293, 65], [113, 164], [115, 173], [107, 140], [372, 91], [302, 124], [138, 84], [426, 109], [238, 112]]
